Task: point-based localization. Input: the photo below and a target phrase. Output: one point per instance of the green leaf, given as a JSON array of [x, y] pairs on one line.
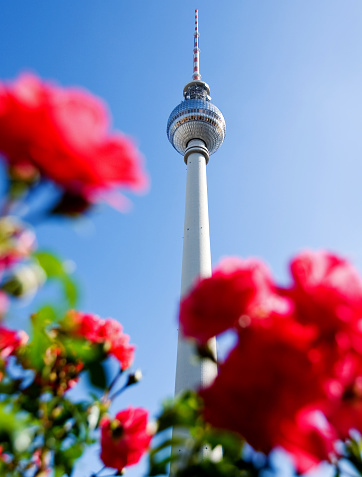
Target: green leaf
[[97, 375], [71, 291], [15, 429], [167, 443], [159, 468], [44, 316], [52, 265], [86, 351], [58, 471], [231, 443], [184, 411], [65, 459], [207, 468], [55, 270], [40, 339], [73, 453]]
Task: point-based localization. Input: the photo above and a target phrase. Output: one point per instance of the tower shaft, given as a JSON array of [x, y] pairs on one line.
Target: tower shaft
[[196, 255], [196, 262]]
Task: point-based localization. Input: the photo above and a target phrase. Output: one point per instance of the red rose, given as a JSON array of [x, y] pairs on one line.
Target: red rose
[[124, 439], [344, 406], [309, 438], [108, 332], [327, 294], [10, 341], [112, 332], [265, 380], [84, 325], [327, 291], [63, 133], [237, 291]]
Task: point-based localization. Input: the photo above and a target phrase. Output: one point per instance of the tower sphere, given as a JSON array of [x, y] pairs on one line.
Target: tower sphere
[[196, 118]]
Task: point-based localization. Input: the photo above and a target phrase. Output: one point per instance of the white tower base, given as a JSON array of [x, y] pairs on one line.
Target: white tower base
[[196, 262]]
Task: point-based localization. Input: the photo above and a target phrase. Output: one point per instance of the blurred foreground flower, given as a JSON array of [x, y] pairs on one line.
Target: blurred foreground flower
[[125, 438], [17, 241], [294, 377], [63, 135], [10, 341]]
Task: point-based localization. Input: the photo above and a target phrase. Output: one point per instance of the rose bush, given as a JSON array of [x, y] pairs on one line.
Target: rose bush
[[294, 376], [50, 133], [108, 332]]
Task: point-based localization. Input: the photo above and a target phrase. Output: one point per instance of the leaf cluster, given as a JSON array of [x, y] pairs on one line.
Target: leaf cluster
[[195, 448]]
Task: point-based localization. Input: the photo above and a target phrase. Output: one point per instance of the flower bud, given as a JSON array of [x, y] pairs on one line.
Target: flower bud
[[16, 241], [26, 280], [24, 172], [22, 440], [93, 417], [205, 352], [134, 377], [152, 428]]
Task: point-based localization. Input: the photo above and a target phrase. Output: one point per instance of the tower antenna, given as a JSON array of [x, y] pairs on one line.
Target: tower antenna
[[196, 74]]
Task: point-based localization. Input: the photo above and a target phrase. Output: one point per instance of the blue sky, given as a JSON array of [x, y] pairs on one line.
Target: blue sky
[[287, 76]]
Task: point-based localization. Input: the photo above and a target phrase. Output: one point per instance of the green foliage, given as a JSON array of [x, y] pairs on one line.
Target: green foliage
[[15, 429], [36, 415], [42, 431], [55, 270], [182, 412], [40, 340], [97, 374], [195, 448], [353, 453]]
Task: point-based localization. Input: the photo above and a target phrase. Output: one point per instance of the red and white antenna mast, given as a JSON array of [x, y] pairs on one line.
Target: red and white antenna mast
[[196, 74]]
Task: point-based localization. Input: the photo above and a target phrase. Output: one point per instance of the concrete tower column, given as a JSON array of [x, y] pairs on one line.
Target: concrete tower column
[[196, 262]]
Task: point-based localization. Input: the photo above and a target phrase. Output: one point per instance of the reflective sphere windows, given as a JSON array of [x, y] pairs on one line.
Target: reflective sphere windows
[[196, 119]]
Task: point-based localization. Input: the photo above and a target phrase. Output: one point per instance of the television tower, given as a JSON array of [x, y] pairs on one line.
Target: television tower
[[196, 129]]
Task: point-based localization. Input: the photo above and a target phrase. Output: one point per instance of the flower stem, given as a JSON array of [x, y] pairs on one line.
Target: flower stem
[[120, 391], [117, 376], [100, 470]]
